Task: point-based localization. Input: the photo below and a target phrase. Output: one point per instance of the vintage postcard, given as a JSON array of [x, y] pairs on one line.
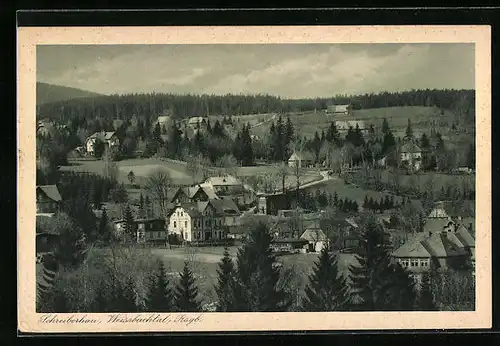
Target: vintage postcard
[[177, 179]]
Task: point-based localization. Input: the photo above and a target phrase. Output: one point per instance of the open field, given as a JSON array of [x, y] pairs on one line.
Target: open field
[[143, 167], [440, 180], [349, 191], [205, 263], [308, 123]]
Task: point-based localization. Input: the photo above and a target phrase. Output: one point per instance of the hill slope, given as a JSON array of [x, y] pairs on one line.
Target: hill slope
[[47, 93]]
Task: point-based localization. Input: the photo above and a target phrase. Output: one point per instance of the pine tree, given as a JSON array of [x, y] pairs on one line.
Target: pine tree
[[101, 299], [425, 297], [124, 297], [335, 199], [288, 138], [159, 297], [186, 293], [385, 127], [225, 283], [105, 234], [141, 206], [129, 229], [327, 289], [258, 275], [370, 276], [409, 130]]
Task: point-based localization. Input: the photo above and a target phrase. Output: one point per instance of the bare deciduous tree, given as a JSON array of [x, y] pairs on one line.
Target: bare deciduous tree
[[157, 186]]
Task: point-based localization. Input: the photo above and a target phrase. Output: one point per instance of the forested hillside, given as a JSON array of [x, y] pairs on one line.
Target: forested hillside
[[104, 109], [48, 93]]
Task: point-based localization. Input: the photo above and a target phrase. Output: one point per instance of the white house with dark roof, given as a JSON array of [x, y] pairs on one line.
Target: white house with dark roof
[[339, 109], [411, 156], [301, 159], [203, 220], [108, 138], [316, 237]]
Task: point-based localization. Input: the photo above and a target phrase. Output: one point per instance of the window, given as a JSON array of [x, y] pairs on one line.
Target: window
[[185, 224], [414, 263], [175, 224], [182, 213]]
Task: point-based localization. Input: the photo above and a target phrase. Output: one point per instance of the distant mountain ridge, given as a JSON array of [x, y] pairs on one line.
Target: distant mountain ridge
[[48, 93]]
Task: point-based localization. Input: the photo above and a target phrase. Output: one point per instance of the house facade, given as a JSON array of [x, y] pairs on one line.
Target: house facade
[[48, 199], [301, 159], [339, 109], [290, 245], [108, 138], [411, 156], [316, 238], [196, 122], [151, 231], [203, 220]]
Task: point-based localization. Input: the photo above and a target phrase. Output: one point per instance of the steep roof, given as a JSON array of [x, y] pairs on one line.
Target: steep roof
[[439, 245], [436, 225], [314, 234], [207, 188], [301, 155], [410, 147], [101, 135], [339, 108], [195, 120], [51, 191], [465, 236], [412, 249], [225, 206]]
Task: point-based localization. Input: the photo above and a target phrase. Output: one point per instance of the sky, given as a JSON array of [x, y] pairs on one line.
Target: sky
[[285, 70]]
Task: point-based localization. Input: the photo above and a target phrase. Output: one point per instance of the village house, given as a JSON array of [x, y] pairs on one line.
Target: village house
[[197, 193], [151, 231], [108, 138], [445, 243], [48, 200], [411, 156], [117, 123], [196, 122], [203, 220], [339, 109], [289, 245], [316, 237], [44, 128], [301, 159], [163, 118]]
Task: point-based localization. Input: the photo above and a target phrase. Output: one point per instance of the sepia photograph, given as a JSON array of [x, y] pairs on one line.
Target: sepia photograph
[[255, 178]]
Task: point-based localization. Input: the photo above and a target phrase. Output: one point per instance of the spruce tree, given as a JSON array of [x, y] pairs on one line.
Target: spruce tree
[[327, 289], [258, 275], [186, 293], [159, 297], [105, 234], [101, 302], [129, 229], [369, 277], [409, 130], [124, 298], [225, 284], [425, 300]]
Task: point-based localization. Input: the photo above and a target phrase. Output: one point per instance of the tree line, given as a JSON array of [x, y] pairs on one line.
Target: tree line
[[102, 110], [255, 281]]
